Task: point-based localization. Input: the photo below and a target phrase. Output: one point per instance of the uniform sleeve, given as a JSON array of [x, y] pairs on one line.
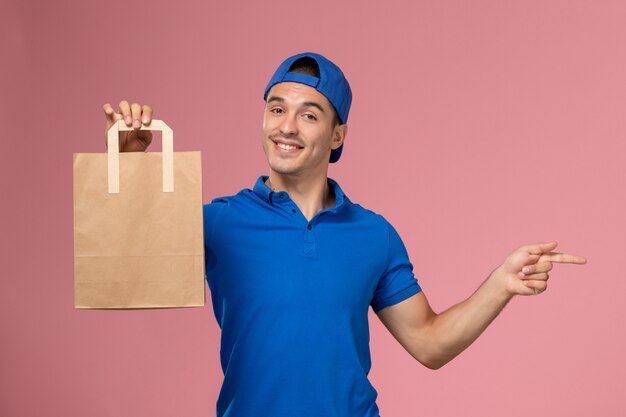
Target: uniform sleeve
[[211, 212], [397, 283]]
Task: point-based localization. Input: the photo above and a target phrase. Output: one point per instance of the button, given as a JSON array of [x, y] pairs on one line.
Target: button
[[293, 210], [281, 195], [309, 227]]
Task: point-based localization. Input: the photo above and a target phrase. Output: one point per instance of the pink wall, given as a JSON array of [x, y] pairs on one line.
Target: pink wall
[[476, 127]]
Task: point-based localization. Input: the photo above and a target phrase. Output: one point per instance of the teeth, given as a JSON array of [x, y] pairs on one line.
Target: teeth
[[286, 147]]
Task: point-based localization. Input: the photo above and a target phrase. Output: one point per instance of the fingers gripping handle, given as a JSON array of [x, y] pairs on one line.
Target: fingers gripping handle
[[113, 146]]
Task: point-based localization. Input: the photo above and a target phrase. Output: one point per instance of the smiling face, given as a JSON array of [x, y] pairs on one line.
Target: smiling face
[[299, 130]]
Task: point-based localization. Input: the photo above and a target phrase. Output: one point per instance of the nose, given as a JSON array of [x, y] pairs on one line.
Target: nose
[[288, 125]]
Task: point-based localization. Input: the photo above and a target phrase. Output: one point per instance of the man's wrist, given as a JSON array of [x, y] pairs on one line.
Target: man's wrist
[[499, 285]]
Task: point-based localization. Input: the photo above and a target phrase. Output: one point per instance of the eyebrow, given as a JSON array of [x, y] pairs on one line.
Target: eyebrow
[[306, 103]]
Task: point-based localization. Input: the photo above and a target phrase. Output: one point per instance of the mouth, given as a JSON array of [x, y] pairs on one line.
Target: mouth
[[284, 147]]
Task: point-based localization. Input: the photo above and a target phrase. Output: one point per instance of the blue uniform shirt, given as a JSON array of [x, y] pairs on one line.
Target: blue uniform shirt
[[291, 297]]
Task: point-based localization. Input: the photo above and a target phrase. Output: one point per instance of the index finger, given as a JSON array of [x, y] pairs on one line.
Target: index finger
[[566, 258]]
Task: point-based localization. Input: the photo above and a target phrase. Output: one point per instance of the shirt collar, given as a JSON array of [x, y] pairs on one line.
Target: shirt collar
[[268, 195]]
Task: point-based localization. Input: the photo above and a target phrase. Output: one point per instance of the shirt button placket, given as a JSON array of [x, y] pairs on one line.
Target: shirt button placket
[[289, 205], [309, 240]]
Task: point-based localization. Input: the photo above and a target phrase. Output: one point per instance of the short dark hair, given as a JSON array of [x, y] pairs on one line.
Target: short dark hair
[[308, 65]]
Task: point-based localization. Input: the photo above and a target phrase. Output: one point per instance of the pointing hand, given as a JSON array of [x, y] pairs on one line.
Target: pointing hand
[[525, 271]]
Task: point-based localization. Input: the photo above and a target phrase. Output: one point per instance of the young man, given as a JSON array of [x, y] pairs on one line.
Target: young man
[[293, 266]]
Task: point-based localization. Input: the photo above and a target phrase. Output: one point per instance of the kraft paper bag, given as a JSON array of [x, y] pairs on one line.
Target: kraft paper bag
[[138, 227]]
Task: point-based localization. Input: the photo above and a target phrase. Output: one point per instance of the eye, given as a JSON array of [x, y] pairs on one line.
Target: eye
[[276, 110], [310, 116]]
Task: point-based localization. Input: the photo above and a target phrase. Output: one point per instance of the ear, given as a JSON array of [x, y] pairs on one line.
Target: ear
[[339, 135]]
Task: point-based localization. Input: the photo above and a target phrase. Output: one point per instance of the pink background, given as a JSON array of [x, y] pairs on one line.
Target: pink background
[[476, 127]]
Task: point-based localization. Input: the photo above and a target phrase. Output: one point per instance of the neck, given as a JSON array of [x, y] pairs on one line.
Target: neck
[[310, 194]]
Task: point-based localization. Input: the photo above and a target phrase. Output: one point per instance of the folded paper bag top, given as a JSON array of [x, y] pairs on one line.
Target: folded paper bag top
[[138, 232]]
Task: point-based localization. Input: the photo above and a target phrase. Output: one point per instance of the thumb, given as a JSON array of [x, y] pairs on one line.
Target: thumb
[[547, 246], [538, 248], [110, 115]]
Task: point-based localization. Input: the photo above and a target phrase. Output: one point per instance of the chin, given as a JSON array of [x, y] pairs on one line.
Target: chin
[[283, 166], [284, 169]]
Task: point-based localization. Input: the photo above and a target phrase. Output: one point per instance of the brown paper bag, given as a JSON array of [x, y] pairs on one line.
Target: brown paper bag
[[138, 227]]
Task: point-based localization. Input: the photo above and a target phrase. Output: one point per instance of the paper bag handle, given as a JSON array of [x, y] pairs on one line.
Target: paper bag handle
[[113, 146]]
